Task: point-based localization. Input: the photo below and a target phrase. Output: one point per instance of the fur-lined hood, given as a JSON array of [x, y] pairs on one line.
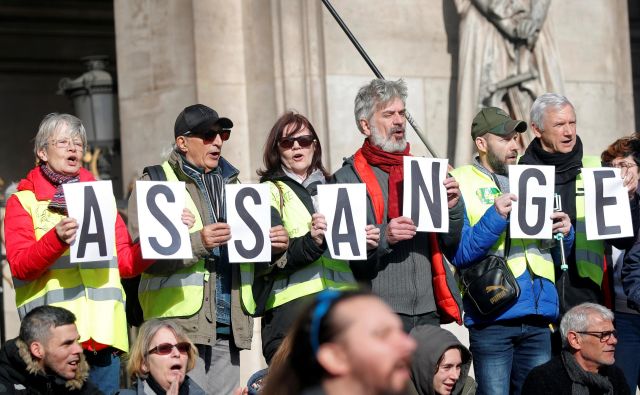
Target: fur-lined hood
[[30, 365]]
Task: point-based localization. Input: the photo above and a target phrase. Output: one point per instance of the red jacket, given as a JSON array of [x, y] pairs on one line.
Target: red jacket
[[30, 258]]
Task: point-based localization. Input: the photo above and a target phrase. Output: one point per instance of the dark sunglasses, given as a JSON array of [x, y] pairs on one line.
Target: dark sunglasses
[[303, 141], [210, 135], [167, 348]]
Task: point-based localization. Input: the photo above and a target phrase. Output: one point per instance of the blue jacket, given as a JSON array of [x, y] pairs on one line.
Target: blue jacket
[[538, 295]]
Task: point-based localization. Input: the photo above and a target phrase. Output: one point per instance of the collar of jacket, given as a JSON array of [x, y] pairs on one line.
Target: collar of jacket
[[228, 171]]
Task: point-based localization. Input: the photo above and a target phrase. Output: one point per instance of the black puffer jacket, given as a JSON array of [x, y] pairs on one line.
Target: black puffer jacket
[[20, 374]]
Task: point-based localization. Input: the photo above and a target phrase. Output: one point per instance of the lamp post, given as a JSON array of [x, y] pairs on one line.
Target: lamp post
[[94, 101]]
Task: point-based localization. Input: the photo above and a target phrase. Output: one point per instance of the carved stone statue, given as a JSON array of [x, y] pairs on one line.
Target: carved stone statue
[[507, 57]]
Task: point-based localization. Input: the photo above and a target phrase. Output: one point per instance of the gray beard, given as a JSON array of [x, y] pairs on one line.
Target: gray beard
[[388, 144]]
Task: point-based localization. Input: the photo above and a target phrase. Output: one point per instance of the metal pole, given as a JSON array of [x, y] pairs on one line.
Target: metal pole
[[377, 72]]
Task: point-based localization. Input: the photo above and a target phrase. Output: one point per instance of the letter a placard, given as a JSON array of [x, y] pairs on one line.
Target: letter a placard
[[95, 238], [162, 233], [424, 196], [249, 216], [343, 206], [606, 204], [531, 215]]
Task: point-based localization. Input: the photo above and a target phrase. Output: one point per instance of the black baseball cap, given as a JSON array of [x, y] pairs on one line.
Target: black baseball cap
[[495, 121], [197, 119]]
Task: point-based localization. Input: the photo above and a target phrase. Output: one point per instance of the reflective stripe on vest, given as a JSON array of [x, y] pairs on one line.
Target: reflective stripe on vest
[[479, 191], [322, 274], [589, 253], [179, 294], [90, 290]]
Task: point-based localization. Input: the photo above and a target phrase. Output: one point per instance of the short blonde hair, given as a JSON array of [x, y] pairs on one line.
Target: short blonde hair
[[139, 350]]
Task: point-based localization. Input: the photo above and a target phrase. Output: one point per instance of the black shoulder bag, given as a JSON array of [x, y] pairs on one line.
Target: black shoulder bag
[[490, 285]]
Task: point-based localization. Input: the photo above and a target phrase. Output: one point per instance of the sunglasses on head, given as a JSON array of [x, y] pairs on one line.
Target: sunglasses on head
[[167, 348], [303, 141], [210, 135]]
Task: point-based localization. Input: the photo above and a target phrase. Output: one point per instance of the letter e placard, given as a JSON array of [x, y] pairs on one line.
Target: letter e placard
[[92, 204], [343, 206], [606, 204], [531, 214], [424, 196], [249, 216], [162, 233]]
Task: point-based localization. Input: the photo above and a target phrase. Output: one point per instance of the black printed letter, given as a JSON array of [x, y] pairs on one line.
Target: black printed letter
[[91, 206], [251, 223], [154, 191]]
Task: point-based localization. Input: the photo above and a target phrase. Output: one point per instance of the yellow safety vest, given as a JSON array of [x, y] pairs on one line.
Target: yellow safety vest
[[589, 253], [322, 274], [479, 191], [180, 293], [90, 290]]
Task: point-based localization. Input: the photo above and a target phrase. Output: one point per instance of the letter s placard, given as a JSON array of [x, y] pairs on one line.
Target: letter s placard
[[249, 216], [162, 233]]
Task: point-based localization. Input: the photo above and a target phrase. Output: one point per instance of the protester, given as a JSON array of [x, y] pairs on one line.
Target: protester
[[440, 363], [585, 365], [202, 294], [38, 235], [160, 359], [553, 120], [625, 153], [46, 357], [345, 343], [407, 269], [507, 344], [293, 170]]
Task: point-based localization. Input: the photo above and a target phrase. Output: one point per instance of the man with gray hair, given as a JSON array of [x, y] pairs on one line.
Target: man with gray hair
[[553, 120], [404, 267], [46, 358], [585, 365]]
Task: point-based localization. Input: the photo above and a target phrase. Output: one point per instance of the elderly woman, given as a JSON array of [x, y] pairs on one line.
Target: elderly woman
[[160, 359], [38, 235], [293, 170], [624, 154]]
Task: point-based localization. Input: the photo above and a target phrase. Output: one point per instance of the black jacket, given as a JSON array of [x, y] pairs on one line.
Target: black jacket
[[19, 374], [552, 378]]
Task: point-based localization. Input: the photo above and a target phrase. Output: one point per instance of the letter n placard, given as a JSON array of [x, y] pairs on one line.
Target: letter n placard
[[606, 204], [424, 195], [92, 204], [249, 216], [162, 233]]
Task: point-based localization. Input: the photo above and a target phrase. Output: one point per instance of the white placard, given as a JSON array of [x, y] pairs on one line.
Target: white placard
[[249, 216], [162, 233], [425, 197], [606, 204], [92, 204], [344, 208], [531, 213]]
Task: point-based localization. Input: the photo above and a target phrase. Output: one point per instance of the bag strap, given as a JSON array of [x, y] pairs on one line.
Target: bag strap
[[156, 172], [507, 239]]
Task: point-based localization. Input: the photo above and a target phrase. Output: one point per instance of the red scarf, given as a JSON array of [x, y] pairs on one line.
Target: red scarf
[[391, 163]]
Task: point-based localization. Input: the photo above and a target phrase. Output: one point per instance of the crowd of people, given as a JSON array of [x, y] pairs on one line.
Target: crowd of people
[[330, 326]]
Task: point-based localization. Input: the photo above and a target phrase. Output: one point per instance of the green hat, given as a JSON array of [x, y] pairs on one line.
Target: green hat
[[495, 121]]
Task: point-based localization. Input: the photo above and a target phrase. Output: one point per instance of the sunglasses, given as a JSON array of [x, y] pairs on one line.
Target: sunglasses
[[167, 348], [303, 141], [211, 135]]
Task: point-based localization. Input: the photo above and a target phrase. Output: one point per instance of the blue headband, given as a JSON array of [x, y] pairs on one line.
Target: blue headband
[[324, 301]]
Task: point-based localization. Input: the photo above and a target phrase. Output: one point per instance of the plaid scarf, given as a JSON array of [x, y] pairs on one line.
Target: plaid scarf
[[58, 203]]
